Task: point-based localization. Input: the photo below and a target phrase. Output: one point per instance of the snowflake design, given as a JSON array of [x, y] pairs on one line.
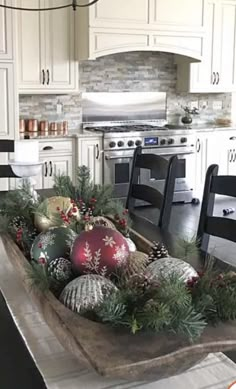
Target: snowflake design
[[109, 241], [47, 239], [92, 262], [70, 238], [120, 254]]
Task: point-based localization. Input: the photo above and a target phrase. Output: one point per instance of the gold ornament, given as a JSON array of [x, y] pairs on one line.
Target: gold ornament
[[136, 264], [103, 222], [53, 205]]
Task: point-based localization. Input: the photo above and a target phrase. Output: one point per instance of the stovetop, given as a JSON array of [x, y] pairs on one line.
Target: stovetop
[[135, 127]]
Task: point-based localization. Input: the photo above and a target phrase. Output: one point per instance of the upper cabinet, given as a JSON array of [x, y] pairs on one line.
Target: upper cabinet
[[7, 101], [112, 26], [46, 49], [6, 44], [217, 71]]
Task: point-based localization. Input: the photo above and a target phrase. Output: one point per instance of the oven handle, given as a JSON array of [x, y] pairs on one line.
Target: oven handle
[[177, 153], [108, 158]]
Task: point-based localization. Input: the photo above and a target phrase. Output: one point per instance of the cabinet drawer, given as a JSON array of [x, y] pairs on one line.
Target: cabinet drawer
[[51, 147]]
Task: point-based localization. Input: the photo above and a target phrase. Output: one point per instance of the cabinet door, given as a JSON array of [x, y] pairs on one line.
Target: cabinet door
[[226, 46], [31, 48], [89, 154], [203, 75], [121, 13], [61, 66], [7, 101], [6, 44], [170, 13], [56, 165]]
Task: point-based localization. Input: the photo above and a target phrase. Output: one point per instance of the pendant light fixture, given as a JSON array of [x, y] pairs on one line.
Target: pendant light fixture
[[72, 4]]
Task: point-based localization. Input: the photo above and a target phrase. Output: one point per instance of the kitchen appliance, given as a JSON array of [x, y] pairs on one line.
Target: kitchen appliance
[[139, 119]]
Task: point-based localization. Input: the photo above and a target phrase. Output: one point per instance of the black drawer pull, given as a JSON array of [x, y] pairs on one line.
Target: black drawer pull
[[45, 148], [46, 169], [232, 138]]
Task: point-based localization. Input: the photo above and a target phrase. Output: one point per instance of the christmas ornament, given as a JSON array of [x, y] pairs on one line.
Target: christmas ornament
[[86, 292], [53, 243], [158, 251], [103, 221], [99, 251], [165, 267], [60, 269], [131, 244], [53, 206], [136, 264]]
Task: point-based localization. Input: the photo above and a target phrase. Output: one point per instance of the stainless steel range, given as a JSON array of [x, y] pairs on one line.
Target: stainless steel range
[[142, 121]]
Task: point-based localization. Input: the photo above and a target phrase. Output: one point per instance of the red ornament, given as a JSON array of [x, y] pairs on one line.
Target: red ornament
[[100, 251]]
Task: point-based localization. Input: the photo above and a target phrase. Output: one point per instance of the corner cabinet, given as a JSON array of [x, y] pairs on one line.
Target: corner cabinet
[[46, 49], [112, 26], [217, 71], [90, 154]]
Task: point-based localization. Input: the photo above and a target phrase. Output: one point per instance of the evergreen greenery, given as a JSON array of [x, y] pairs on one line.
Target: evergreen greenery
[[145, 305]]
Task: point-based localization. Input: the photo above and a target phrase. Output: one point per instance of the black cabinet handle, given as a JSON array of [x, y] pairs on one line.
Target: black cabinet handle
[[218, 78], [45, 148], [230, 155], [214, 78], [48, 77], [45, 169], [43, 72], [97, 151], [50, 164], [232, 138], [234, 159], [198, 145]]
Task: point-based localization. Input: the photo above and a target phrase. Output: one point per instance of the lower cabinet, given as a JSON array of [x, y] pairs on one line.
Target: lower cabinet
[[208, 152], [90, 155], [53, 165], [228, 155]]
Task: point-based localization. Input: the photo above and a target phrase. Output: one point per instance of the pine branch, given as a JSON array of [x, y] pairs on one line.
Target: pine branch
[[63, 186], [188, 322], [38, 278], [186, 248]]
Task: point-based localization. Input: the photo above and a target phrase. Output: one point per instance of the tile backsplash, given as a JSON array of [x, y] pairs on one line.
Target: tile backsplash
[[132, 71]]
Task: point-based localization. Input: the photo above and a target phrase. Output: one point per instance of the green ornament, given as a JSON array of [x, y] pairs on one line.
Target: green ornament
[[53, 243]]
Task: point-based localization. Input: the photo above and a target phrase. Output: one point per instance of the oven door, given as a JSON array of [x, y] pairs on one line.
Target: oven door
[[184, 183], [117, 171]]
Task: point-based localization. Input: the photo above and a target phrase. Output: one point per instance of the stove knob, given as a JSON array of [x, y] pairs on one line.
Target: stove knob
[[120, 143], [183, 140], [130, 143], [170, 141], [138, 142], [163, 142], [112, 144]]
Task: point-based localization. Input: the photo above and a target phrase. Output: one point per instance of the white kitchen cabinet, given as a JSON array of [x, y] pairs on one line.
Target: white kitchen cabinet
[[208, 152], [89, 154], [53, 165], [175, 15], [227, 164], [7, 101], [46, 49], [6, 36], [217, 71], [112, 26]]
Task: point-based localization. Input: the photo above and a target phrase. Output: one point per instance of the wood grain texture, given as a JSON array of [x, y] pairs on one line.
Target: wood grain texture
[[117, 353]]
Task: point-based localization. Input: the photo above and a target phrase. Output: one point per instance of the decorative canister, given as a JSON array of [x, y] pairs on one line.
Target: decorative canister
[[52, 129], [43, 128]]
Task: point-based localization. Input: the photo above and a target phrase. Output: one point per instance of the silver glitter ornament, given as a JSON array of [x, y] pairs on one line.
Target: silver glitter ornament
[[131, 245], [86, 292], [165, 267]]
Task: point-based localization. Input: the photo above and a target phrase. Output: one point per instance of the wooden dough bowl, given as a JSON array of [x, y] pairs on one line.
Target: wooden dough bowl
[[118, 353]]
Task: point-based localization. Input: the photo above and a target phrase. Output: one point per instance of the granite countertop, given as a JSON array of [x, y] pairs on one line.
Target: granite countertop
[[194, 128]]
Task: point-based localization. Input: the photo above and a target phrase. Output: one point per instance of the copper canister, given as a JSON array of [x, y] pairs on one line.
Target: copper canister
[[65, 128], [59, 126], [33, 128], [22, 128], [52, 129], [43, 128]]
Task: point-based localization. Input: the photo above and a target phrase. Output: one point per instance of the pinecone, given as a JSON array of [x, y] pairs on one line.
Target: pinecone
[[158, 251], [60, 269]]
